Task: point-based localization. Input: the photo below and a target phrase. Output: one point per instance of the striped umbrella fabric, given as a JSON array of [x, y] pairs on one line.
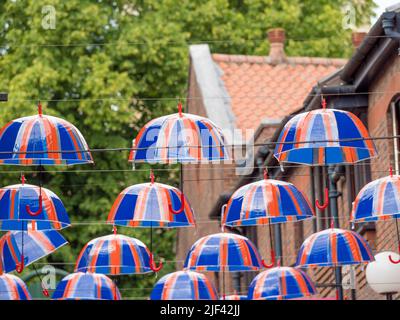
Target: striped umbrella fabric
[[15, 216], [223, 252], [180, 137], [42, 140], [33, 245], [281, 283], [235, 297], [184, 285], [13, 288], [149, 205], [114, 254], [266, 202], [86, 286], [332, 130], [378, 200], [334, 247]]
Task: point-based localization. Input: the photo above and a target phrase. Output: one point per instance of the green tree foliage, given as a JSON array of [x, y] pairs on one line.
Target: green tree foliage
[[108, 67]]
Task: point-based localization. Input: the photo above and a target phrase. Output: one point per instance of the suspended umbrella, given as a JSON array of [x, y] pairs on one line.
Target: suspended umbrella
[[334, 247], [223, 252], [13, 288], [86, 286], [184, 285], [266, 202], [281, 283], [151, 205], [379, 200], [324, 137], [116, 254], [42, 140], [179, 138], [20, 248], [22, 204]]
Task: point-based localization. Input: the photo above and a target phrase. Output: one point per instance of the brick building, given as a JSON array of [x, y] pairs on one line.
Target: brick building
[[261, 94]]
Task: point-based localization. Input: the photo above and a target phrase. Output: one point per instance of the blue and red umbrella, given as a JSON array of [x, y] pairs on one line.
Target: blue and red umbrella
[[13, 288], [151, 205], [281, 283], [21, 248], [86, 286], [334, 247], [115, 254], [379, 200], [184, 285], [22, 204], [223, 252], [324, 137], [42, 140], [180, 137]]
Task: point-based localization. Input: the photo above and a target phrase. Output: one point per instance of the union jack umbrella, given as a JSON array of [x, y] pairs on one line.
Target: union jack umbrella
[[21, 248], [334, 247], [13, 288], [379, 200], [324, 137], [115, 254], [281, 283], [42, 140], [266, 202], [180, 137], [86, 286], [24, 203], [223, 252], [151, 205], [184, 285]]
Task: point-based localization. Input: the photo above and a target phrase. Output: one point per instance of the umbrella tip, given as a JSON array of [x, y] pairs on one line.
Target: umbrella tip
[[180, 108], [40, 111]]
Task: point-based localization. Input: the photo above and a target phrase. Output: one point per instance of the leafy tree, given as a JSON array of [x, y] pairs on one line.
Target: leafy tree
[[108, 67]]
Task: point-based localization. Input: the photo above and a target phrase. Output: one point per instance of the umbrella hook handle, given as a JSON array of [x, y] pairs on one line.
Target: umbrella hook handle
[[181, 209], [326, 201], [393, 261], [272, 264], [153, 265], [20, 265], [39, 211]]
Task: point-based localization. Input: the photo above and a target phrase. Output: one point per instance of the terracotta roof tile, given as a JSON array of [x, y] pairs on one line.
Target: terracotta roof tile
[[260, 90]]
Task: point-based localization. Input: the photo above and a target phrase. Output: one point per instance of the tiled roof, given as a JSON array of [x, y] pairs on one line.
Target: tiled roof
[[260, 89]]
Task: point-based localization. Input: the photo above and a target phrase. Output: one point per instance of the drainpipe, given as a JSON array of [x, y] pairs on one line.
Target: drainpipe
[[334, 177], [389, 26]]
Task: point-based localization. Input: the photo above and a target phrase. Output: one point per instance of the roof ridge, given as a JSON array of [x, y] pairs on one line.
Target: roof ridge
[[237, 58]]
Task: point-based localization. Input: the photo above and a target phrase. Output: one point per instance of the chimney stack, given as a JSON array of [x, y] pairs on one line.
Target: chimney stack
[[276, 38], [357, 37]]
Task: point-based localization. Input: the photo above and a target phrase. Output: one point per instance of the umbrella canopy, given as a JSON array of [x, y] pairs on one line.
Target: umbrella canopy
[[42, 140], [151, 205], [13, 288], [266, 201], [339, 137], [180, 137], [114, 254], [223, 252], [281, 283], [33, 245], [86, 286], [334, 247], [184, 285], [17, 202], [378, 200]]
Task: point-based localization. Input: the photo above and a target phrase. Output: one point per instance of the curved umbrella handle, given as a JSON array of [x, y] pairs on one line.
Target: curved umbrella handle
[[153, 265], [181, 209], [326, 201], [39, 211], [392, 260], [272, 264], [20, 265]]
